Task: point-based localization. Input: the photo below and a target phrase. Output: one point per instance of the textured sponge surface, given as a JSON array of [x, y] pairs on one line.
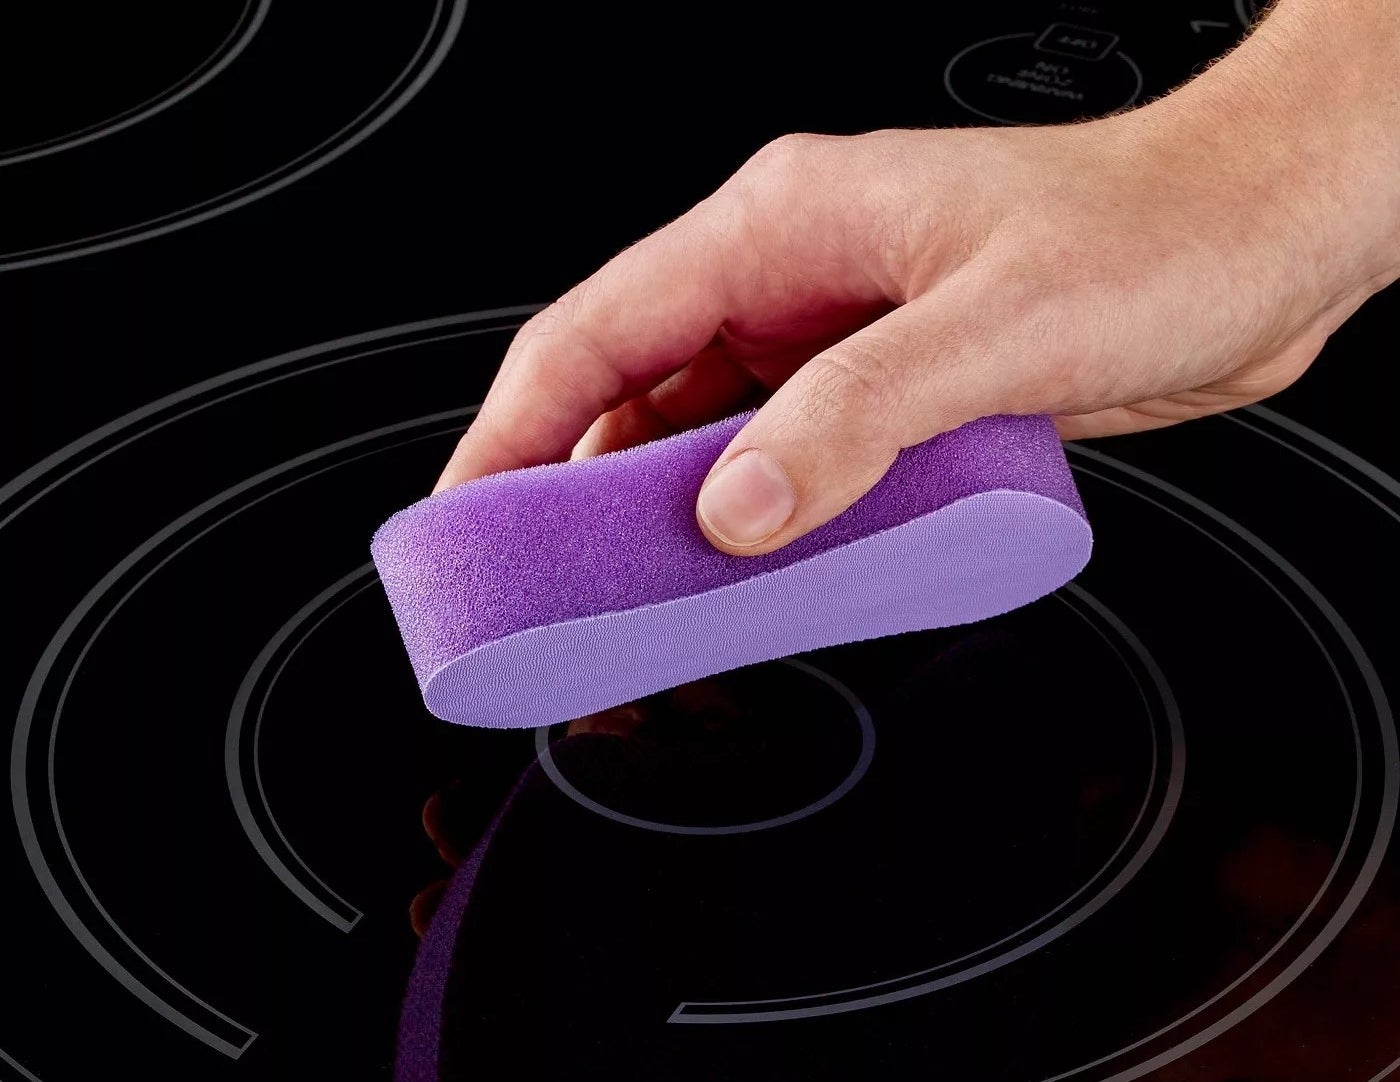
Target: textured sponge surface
[[537, 595]]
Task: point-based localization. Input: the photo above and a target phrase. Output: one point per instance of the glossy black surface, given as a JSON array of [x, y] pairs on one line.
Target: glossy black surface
[[1142, 828]]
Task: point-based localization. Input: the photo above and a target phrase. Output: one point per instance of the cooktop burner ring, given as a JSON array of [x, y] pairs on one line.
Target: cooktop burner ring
[[864, 756], [439, 37], [164, 416], [174, 1002], [241, 751], [724, 1012], [249, 21], [1161, 790], [1384, 828], [86, 451]]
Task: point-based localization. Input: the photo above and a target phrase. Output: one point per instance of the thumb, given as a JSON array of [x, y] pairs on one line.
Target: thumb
[[835, 427]]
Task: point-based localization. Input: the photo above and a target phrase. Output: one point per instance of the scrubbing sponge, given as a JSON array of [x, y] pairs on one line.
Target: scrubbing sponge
[[539, 595]]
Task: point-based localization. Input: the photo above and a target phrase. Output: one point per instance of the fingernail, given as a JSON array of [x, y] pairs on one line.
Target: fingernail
[[748, 500]]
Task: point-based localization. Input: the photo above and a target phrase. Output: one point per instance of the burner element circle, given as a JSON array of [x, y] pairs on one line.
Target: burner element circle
[[249, 22], [852, 778]]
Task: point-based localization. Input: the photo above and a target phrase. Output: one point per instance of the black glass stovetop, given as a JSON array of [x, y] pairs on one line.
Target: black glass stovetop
[[257, 263]]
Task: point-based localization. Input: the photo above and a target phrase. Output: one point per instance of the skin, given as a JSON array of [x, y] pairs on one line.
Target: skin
[[1183, 258]]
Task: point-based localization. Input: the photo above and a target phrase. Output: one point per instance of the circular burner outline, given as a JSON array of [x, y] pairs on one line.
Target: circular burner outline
[[239, 788], [227, 51], [948, 79], [378, 113], [88, 450], [921, 982], [864, 758], [282, 647], [1380, 842], [293, 466], [13, 1063], [1340, 916], [235, 1037]]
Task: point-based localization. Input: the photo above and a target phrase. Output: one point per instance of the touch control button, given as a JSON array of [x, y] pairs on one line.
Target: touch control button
[[1081, 41]]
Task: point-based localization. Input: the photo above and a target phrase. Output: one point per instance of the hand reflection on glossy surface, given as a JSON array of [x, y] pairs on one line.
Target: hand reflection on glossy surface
[[1003, 785], [703, 705], [1339, 1013]]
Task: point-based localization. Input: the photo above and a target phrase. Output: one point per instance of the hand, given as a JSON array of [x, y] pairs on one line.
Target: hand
[[1185, 258]]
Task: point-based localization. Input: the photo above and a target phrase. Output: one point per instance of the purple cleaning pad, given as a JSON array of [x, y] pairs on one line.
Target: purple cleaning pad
[[540, 595]]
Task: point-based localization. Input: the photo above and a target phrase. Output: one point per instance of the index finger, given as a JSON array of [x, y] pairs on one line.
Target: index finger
[[642, 316]]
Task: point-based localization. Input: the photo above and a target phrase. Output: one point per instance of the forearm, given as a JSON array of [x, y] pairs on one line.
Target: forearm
[[1303, 120]]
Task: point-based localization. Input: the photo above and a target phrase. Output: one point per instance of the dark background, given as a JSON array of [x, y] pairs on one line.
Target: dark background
[[542, 147], [547, 141]]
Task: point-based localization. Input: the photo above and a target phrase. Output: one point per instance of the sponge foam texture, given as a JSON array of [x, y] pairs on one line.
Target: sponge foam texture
[[538, 595]]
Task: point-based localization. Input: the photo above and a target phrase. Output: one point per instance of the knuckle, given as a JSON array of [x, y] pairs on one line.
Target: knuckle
[[557, 356], [557, 325], [784, 157], [847, 386], [846, 419], [545, 324]]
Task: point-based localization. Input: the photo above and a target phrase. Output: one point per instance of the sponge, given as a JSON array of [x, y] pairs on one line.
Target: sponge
[[539, 595]]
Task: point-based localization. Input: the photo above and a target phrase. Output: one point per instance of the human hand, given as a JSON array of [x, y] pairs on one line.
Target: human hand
[[1185, 258]]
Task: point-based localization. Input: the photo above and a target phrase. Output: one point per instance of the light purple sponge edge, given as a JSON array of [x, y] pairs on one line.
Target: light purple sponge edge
[[539, 595]]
